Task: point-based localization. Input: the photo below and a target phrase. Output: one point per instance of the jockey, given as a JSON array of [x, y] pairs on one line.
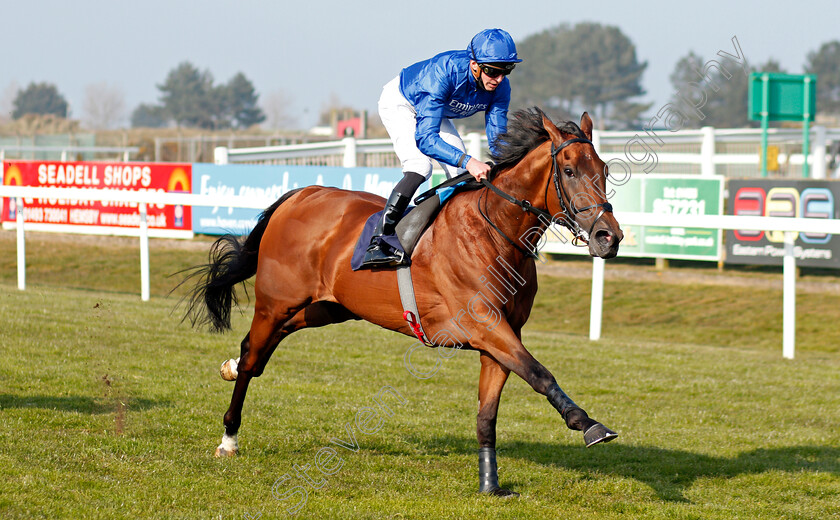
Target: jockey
[[417, 108]]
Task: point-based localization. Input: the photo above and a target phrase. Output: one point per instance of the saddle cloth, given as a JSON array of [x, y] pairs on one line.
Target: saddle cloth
[[414, 222]]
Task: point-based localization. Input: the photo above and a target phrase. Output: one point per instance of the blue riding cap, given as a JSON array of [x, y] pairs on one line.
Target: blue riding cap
[[493, 46]]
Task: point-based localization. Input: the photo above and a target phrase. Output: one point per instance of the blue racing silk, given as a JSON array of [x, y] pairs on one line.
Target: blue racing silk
[[444, 87]]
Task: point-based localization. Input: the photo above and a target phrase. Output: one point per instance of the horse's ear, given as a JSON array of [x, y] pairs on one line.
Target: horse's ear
[[586, 125], [553, 132]]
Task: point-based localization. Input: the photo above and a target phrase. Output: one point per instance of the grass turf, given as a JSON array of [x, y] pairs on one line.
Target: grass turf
[[112, 407]]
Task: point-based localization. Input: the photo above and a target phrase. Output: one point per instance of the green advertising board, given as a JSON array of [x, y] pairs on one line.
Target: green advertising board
[[789, 97], [775, 96], [661, 195]]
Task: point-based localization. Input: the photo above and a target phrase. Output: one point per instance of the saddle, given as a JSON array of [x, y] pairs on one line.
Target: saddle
[[416, 220], [407, 233]]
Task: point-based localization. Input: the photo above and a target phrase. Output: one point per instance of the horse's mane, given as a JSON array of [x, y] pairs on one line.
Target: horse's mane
[[524, 133]]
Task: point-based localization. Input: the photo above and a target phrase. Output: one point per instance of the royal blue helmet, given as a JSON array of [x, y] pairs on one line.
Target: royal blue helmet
[[493, 46]]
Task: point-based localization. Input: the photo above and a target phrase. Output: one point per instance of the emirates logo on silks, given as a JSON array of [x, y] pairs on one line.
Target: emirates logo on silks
[[466, 108]]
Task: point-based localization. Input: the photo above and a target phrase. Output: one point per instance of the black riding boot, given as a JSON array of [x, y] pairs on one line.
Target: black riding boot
[[377, 255]]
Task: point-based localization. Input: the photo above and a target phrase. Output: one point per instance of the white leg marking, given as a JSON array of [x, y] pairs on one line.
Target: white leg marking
[[228, 370], [229, 446], [230, 443]]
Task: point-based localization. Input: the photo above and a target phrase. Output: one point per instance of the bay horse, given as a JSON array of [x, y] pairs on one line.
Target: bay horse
[[301, 247]]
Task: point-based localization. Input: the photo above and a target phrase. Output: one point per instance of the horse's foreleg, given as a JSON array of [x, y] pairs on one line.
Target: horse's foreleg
[[507, 349], [577, 419], [490, 384]]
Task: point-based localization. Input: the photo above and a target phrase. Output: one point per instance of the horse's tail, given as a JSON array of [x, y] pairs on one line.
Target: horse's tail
[[233, 260]]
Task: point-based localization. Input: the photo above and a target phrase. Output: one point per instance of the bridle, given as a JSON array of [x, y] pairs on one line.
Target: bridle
[[581, 237]]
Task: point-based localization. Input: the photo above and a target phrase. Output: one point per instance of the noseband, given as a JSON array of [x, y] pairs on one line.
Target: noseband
[[568, 205]]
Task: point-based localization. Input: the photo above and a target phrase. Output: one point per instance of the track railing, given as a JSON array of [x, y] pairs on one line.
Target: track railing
[[789, 226], [141, 198], [705, 151]]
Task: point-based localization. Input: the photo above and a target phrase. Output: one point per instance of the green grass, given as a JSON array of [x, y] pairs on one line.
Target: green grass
[[111, 407], [731, 316]]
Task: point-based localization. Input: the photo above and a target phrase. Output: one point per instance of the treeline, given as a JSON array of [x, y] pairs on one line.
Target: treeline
[[188, 98], [569, 69], [566, 70]]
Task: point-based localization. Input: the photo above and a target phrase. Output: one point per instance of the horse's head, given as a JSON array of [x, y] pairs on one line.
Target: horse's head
[[580, 179]]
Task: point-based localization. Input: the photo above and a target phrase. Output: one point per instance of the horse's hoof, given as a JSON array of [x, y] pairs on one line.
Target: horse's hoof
[[598, 433], [499, 492], [229, 446], [228, 370], [504, 493], [222, 452]]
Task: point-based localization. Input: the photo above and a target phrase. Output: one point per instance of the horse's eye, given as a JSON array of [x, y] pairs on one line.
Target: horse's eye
[[568, 171]]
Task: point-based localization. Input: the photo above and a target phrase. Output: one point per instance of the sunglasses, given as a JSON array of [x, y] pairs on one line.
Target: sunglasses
[[494, 72]]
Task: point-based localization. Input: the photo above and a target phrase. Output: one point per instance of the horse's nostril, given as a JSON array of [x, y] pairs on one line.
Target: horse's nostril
[[603, 236]]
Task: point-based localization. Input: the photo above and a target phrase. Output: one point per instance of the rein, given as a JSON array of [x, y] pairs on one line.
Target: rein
[[569, 208]]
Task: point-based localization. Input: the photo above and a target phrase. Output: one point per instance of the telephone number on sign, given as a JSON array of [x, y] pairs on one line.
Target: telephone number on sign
[[679, 207]]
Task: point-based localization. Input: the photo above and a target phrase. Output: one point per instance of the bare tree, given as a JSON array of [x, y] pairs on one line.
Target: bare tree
[[277, 110], [7, 101], [104, 106]]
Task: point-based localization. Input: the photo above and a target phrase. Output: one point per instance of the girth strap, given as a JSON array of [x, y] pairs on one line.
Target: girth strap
[[409, 303]]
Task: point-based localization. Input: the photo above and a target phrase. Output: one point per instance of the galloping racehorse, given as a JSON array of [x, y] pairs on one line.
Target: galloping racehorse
[[301, 247]]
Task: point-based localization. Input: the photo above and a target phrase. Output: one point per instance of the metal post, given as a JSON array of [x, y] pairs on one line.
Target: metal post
[[806, 131], [765, 118], [597, 306], [144, 254], [21, 245], [349, 152], [474, 145], [789, 298], [220, 155], [707, 151], [819, 153]]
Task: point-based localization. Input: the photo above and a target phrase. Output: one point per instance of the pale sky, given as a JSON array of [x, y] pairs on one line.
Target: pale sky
[[321, 49]]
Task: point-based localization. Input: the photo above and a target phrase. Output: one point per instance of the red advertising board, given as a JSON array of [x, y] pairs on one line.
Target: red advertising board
[[100, 216]]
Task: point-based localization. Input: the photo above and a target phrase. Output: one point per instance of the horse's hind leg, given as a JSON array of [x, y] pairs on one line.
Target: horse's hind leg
[[266, 332], [260, 341]]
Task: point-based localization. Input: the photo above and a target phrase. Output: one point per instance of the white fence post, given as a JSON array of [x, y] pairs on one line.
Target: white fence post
[[21, 244], [818, 166], [789, 298], [220, 155], [596, 140], [144, 254], [596, 309], [790, 226], [707, 151], [474, 145], [349, 152]]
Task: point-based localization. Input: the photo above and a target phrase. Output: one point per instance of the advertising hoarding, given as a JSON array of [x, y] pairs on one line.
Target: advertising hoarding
[[270, 183], [783, 198], [663, 195], [99, 217]]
